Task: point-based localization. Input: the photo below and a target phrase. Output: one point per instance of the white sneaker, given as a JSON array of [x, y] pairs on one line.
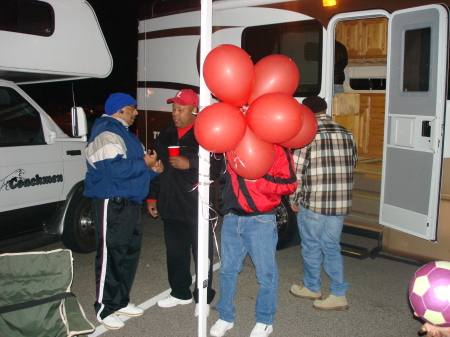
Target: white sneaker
[[197, 310], [130, 310], [112, 322], [171, 301], [220, 327], [261, 330]]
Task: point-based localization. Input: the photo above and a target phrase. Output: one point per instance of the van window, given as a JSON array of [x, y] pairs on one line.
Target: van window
[[416, 61], [300, 41], [27, 16], [20, 123]]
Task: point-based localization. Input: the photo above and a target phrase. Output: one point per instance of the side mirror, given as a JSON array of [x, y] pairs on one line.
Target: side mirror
[[79, 123]]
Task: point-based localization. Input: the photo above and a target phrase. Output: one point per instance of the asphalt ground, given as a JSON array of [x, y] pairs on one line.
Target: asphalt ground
[[378, 301]]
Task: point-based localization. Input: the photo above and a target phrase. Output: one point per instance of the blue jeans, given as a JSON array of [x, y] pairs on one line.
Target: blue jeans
[[257, 236], [320, 236]]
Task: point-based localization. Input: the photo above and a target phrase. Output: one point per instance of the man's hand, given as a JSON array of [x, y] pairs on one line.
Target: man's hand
[[152, 209], [151, 160], [158, 167], [179, 162], [295, 208], [151, 157], [434, 331]]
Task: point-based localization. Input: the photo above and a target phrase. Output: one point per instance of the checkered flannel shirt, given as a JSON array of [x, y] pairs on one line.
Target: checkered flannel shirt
[[325, 170]]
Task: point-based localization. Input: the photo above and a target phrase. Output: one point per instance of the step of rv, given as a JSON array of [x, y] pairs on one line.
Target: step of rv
[[359, 252], [364, 179], [362, 219], [366, 202], [365, 194], [361, 236]]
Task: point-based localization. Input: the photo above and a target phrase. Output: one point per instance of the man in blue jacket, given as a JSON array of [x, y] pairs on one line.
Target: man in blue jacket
[[118, 179]]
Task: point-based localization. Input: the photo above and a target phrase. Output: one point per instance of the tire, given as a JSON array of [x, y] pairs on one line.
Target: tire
[[79, 231], [288, 234]]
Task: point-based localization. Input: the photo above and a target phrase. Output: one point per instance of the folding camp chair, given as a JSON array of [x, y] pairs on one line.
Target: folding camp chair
[[35, 297]]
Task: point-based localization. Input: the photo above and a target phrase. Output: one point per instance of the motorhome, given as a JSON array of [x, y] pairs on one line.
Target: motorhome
[[394, 97], [42, 169]]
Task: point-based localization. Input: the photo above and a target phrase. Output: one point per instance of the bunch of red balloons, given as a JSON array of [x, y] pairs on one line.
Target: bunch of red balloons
[[272, 117]]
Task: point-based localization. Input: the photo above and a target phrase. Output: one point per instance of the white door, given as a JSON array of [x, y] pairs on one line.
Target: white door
[[415, 104]]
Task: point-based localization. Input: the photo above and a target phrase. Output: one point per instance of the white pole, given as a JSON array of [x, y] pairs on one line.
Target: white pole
[[203, 174]]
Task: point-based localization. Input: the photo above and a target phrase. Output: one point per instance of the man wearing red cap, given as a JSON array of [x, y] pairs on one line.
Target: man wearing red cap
[[173, 195]]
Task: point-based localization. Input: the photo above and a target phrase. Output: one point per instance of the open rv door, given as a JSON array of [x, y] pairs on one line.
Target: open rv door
[[415, 106]]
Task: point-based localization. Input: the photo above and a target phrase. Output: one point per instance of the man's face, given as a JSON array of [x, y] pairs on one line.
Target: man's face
[[129, 114], [182, 115]]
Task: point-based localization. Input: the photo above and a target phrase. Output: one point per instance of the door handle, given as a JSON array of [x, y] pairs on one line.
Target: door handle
[[435, 131], [73, 153]]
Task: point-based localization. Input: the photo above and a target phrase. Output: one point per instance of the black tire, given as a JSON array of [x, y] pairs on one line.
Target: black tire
[[79, 232], [288, 234]]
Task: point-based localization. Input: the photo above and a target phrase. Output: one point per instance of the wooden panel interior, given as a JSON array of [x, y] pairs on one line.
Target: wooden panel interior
[[363, 115], [365, 39]]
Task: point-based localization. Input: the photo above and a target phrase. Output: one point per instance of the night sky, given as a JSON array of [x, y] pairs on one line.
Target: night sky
[[119, 22]]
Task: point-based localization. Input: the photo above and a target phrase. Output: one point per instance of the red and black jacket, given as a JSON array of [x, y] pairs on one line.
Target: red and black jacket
[[249, 197]]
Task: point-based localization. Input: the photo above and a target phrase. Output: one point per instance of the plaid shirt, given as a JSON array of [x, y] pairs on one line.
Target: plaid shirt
[[325, 170]]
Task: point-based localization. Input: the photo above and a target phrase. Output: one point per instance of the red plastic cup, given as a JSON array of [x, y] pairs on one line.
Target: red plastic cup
[[174, 151]]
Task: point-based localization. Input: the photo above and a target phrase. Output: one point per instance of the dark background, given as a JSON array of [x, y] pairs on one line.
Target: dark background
[[119, 22]]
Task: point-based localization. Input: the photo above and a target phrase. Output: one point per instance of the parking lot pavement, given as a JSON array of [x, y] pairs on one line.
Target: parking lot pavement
[[377, 297]]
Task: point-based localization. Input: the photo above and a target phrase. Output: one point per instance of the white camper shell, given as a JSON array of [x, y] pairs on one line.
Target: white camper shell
[[394, 98], [43, 169], [65, 43]]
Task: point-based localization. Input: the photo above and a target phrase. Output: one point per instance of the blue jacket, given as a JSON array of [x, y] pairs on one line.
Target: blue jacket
[[115, 163]]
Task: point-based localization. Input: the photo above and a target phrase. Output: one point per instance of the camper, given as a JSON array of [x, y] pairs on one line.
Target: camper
[[394, 97], [42, 169]]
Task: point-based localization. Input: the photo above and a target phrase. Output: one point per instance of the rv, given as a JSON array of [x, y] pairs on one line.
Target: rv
[[394, 97], [42, 169]]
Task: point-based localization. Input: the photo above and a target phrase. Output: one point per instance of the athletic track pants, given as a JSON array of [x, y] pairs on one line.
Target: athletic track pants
[[118, 232]]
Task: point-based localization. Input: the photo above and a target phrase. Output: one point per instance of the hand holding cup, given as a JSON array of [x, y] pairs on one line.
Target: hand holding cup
[[174, 151]]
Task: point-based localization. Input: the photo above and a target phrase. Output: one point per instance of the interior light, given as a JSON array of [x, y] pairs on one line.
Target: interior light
[[329, 3]]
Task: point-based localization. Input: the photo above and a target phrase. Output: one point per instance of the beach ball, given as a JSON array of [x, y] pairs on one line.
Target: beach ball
[[429, 293]]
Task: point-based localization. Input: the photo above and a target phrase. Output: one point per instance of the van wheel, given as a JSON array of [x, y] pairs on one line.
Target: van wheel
[[79, 232], [288, 234]]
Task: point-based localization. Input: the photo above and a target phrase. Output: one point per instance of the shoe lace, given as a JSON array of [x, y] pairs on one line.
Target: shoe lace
[[114, 317], [260, 327], [221, 323]]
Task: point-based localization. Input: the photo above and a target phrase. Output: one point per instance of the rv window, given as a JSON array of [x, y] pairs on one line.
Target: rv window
[[416, 61], [20, 123], [300, 41], [368, 83], [27, 16]]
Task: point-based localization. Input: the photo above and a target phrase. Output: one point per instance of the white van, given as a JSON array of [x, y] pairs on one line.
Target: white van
[[394, 98], [42, 169]]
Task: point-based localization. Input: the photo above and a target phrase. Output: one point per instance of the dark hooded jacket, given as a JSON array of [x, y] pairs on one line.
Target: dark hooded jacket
[[174, 189]]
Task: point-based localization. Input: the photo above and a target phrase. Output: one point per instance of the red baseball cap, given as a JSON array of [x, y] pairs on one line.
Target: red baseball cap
[[185, 97]]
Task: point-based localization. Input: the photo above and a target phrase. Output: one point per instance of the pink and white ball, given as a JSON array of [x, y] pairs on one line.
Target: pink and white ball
[[429, 293]]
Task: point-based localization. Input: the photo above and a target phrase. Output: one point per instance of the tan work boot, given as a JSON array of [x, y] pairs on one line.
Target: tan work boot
[[331, 303], [303, 292]]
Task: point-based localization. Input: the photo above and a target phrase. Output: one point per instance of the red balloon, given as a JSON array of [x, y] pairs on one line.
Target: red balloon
[[274, 73], [229, 72], [252, 158], [275, 117], [219, 127], [307, 132]]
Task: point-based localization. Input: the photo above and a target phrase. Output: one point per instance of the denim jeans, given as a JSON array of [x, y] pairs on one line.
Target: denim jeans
[[257, 236], [320, 235]]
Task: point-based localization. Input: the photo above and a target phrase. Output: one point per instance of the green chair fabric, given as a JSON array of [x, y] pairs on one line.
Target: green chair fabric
[[35, 297]]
